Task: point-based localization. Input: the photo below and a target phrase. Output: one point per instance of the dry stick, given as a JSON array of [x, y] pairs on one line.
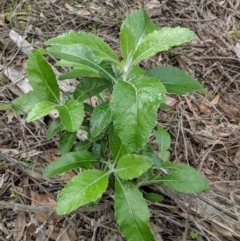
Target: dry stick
[[23, 170], [215, 58], [18, 206], [186, 20]]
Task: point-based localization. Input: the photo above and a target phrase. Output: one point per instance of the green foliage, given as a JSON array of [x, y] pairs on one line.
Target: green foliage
[[193, 234], [120, 125]]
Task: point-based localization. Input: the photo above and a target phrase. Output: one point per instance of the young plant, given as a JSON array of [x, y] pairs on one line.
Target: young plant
[[116, 153]]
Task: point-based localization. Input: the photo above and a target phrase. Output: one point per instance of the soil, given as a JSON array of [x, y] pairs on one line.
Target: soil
[[205, 130]]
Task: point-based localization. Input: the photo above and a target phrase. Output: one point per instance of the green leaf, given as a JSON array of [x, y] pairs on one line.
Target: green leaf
[[78, 73], [183, 178], [81, 146], [134, 29], [55, 127], [69, 161], [162, 40], [157, 161], [165, 155], [66, 141], [5, 106], [79, 55], [134, 107], [153, 197], [100, 119], [131, 212], [89, 87], [163, 139], [41, 109], [25, 102], [175, 80], [98, 46], [86, 187], [131, 166], [109, 70], [42, 78], [71, 114], [135, 71], [118, 149]]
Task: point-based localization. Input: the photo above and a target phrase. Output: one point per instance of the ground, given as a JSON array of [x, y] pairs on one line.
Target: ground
[[205, 129]]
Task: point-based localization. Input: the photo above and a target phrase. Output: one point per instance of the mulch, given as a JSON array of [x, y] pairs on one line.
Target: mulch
[[205, 130]]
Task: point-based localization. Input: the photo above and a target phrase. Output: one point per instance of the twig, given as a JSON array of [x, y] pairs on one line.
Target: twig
[[23, 170], [186, 20], [18, 206], [215, 58]]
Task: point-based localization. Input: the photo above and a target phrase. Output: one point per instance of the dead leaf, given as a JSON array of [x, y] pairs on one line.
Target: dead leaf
[[72, 234], [156, 231], [170, 101], [237, 49], [42, 15], [222, 134], [2, 180], [69, 7], [20, 223], [153, 4], [215, 100], [14, 152], [205, 107], [231, 112], [43, 200], [57, 234], [2, 19], [39, 31], [83, 12], [237, 157]]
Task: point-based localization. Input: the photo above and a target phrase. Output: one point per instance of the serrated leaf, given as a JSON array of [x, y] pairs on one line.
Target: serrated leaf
[[131, 212], [89, 87], [100, 119], [79, 55], [175, 80], [133, 30], [153, 197], [118, 149], [69, 161], [66, 141], [71, 114], [131, 166], [55, 126], [42, 78], [41, 109], [161, 40], [24, 103], [134, 107], [86, 187], [183, 178], [163, 139], [98, 46]]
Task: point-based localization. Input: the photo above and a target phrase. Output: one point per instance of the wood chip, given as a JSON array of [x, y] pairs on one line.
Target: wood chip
[[20, 223]]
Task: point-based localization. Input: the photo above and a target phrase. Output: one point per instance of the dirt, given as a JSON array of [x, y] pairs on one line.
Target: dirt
[[205, 130]]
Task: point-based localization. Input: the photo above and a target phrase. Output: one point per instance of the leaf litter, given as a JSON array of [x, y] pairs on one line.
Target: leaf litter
[[205, 130]]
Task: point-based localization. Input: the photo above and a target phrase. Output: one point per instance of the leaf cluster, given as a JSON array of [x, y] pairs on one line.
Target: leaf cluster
[[116, 153]]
